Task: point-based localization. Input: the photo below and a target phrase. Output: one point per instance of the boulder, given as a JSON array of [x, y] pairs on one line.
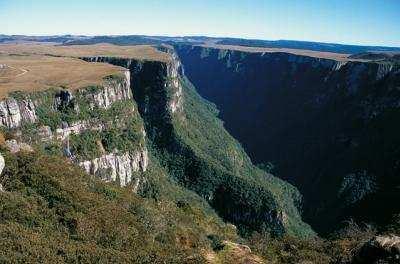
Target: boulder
[[15, 146], [379, 249]]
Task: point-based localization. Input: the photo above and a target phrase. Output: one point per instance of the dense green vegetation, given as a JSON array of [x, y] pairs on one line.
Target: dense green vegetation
[[199, 153], [122, 132], [252, 189], [336, 140], [199, 180], [52, 212]]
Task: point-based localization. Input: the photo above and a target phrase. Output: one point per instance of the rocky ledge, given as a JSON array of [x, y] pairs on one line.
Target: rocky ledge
[[115, 167]]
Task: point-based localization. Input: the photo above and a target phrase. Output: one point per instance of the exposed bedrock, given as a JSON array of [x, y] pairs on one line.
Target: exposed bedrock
[[120, 168], [56, 115], [13, 113], [211, 164]]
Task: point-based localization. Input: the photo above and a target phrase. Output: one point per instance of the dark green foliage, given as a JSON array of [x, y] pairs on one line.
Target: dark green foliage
[[216, 242], [198, 153], [341, 248], [331, 131], [394, 225], [51, 212], [268, 167], [85, 145], [123, 137], [240, 192]]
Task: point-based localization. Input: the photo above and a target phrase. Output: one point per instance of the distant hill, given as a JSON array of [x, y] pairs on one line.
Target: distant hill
[[157, 40], [377, 56], [308, 45]]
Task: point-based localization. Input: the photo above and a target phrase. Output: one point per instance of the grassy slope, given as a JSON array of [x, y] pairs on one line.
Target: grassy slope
[[32, 73]]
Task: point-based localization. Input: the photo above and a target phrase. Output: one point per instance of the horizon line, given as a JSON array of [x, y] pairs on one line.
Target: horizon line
[[198, 35]]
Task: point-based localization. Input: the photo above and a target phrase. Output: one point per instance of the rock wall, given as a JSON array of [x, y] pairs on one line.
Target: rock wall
[[112, 91], [159, 89], [13, 113], [317, 120], [175, 72], [62, 133], [112, 166], [162, 74], [115, 167]]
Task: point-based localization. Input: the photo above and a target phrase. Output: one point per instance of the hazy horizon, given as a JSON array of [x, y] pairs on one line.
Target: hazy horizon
[[368, 22]]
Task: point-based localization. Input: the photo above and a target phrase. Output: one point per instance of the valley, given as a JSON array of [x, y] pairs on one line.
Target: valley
[[326, 124], [152, 127], [199, 132]]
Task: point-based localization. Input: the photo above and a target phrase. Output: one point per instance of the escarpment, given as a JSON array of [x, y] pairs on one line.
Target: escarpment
[[13, 113], [97, 127], [327, 126], [152, 113], [192, 145]]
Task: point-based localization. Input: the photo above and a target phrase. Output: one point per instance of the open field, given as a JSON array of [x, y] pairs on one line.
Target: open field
[[310, 53], [38, 72], [33, 66], [140, 52], [8, 71]]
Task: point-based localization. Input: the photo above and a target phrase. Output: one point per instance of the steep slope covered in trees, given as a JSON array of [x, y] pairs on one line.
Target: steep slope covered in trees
[[327, 126], [149, 118], [205, 158]]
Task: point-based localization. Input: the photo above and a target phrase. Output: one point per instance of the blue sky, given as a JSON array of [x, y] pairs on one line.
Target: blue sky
[[370, 22]]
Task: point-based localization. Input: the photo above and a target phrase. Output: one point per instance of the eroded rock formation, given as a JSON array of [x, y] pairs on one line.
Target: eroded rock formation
[[115, 167]]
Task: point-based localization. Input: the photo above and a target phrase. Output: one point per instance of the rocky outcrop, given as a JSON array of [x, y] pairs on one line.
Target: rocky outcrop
[[115, 167], [380, 249], [64, 99], [27, 109], [13, 113], [76, 128], [2, 165], [112, 90], [174, 73], [14, 146], [165, 75], [69, 106], [45, 133]]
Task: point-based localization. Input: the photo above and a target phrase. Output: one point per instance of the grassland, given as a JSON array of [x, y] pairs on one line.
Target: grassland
[[309, 53], [33, 67], [139, 52], [38, 72]]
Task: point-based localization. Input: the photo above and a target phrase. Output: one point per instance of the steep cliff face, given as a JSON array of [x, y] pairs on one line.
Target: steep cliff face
[[152, 112], [90, 125], [13, 113], [112, 91], [327, 126], [118, 168], [191, 143]]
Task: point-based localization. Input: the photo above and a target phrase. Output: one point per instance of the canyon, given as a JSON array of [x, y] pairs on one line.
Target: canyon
[[155, 134], [148, 112], [327, 126]]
